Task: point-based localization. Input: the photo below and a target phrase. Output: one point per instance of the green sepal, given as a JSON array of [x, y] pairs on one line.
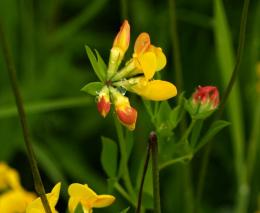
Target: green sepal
[[213, 130], [109, 156], [97, 64], [92, 88]]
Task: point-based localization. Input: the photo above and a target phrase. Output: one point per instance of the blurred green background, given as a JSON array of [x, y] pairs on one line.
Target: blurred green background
[[47, 39]]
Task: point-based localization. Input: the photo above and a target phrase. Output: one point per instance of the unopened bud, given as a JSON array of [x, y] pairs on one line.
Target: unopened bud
[[203, 101], [103, 103]]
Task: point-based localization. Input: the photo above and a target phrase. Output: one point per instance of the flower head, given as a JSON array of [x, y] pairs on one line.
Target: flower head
[[136, 76], [82, 194], [36, 205], [203, 101]]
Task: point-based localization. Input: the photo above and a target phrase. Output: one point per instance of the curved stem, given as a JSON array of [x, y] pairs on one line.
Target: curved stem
[[155, 170], [19, 104], [176, 160]]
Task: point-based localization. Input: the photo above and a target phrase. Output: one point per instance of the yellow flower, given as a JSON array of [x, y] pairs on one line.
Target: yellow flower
[[148, 58], [37, 207], [9, 178], [15, 201], [84, 195], [155, 90]]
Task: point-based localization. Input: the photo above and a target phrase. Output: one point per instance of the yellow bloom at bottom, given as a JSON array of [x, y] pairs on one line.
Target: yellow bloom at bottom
[[82, 194], [37, 207], [9, 178], [155, 90], [15, 201]]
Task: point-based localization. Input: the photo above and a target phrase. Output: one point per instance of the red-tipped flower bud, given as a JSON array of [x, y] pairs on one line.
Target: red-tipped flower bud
[[103, 103], [203, 101], [126, 114]]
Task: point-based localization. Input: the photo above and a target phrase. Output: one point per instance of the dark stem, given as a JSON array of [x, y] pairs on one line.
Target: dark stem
[[138, 208], [155, 169], [39, 188]]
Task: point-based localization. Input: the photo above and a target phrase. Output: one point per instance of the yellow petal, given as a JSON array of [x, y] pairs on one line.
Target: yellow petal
[[142, 43], [160, 57], [15, 201], [155, 90], [148, 64], [80, 190], [103, 201], [37, 207]]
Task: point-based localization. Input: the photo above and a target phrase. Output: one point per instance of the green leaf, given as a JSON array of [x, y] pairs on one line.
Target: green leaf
[[97, 65], [92, 88], [109, 156], [213, 130], [79, 209], [125, 210], [101, 62]]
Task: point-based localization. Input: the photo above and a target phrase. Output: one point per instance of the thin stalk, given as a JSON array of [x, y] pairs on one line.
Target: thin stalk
[[123, 167], [19, 103], [175, 44], [138, 209], [176, 160], [121, 190], [155, 170], [188, 131], [242, 180]]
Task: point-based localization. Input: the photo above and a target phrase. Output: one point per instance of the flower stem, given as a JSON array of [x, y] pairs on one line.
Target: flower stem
[[188, 131], [19, 103], [123, 167], [155, 170], [138, 209], [175, 44]]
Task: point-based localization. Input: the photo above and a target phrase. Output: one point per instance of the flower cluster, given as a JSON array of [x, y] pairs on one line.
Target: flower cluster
[[13, 197], [79, 195], [136, 76]]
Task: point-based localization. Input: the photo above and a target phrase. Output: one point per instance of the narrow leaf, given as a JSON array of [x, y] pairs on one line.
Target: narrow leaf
[[213, 130], [92, 88], [96, 66], [101, 62], [109, 157]]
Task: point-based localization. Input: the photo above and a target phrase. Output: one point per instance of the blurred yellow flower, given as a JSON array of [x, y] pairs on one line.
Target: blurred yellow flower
[[36, 205], [9, 178], [84, 195], [15, 201]]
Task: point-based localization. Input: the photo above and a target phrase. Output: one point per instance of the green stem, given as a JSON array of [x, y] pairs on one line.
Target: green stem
[[123, 167], [121, 190], [19, 103], [188, 131], [253, 142], [175, 45], [155, 170], [138, 209], [242, 194]]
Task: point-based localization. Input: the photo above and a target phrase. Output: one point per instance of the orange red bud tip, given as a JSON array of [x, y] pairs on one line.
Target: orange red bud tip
[[127, 115], [103, 106]]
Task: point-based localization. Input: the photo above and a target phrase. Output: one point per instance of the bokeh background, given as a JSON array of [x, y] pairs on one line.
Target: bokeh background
[[47, 39]]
